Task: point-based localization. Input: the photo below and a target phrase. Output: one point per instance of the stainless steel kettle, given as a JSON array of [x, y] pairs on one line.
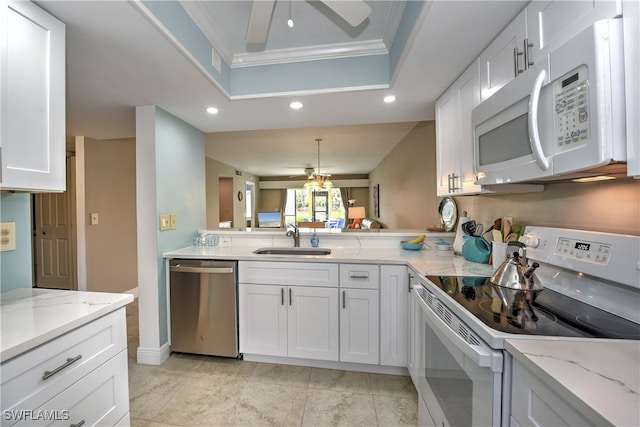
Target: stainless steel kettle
[[514, 273]]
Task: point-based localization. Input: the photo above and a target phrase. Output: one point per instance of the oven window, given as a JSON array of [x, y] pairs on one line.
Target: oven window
[[506, 142], [462, 392], [450, 384]]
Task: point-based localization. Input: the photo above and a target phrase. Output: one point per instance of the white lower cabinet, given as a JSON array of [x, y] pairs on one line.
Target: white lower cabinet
[[359, 326], [263, 319], [79, 378], [412, 338], [309, 311], [394, 297], [312, 319], [533, 403], [292, 321]]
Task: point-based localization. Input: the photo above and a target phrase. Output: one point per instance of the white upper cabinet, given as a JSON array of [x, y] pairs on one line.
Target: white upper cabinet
[[551, 23], [500, 62], [539, 29], [32, 92], [454, 135]]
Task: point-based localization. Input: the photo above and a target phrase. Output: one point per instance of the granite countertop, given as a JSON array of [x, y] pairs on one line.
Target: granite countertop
[[601, 379], [30, 317]]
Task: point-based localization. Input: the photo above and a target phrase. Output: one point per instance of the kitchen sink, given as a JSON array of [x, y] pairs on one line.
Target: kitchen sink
[[292, 251]]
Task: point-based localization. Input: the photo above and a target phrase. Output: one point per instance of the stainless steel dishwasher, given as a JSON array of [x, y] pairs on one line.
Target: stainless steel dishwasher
[[204, 307]]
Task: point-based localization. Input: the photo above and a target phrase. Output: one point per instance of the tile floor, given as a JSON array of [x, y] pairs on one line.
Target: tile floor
[[192, 390]]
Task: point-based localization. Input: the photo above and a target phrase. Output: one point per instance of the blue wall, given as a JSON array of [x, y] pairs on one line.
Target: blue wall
[[180, 187], [16, 270]]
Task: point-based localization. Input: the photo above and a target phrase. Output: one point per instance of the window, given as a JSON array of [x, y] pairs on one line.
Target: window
[[325, 206]]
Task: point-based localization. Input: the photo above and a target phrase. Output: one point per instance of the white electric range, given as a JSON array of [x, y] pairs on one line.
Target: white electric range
[[591, 291]]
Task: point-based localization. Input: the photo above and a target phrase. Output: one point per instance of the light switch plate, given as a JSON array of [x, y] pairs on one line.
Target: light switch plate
[[173, 220], [94, 218], [7, 236], [165, 222]]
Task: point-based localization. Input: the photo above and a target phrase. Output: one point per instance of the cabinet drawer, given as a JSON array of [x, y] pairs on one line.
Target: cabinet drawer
[[359, 276], [288, 273], [23, 385], [100, 398]]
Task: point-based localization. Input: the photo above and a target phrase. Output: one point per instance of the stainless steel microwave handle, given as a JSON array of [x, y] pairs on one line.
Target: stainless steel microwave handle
[[482, 355], [534, 136], [211, 270]]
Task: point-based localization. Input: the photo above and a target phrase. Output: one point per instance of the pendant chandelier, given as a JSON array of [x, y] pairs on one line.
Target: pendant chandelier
[[318, 181]]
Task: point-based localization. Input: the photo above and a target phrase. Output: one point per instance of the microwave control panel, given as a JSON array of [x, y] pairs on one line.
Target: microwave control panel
[[571, 93]]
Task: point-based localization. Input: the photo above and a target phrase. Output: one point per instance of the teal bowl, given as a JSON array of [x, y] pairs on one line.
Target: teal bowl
[[476, 249], [411, 246]]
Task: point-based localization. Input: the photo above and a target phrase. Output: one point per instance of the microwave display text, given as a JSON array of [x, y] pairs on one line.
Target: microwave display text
[[567, 82]]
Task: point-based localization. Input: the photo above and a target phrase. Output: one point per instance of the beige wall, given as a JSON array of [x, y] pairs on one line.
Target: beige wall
[[610, 206], [407, 178], [110, 191], [214, 171]]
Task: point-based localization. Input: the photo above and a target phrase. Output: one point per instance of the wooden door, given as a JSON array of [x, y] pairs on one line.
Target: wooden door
[[52, 245]]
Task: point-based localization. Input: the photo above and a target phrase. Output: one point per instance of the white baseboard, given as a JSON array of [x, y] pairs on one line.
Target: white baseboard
[[153, 356], [327, 364]]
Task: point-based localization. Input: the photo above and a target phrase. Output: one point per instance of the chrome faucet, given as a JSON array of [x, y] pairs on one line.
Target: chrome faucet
[[295, 233]]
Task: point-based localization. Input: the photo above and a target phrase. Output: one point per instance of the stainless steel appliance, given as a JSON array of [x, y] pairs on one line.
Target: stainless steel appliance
[[204, 307], [591, 290], [565, 115]]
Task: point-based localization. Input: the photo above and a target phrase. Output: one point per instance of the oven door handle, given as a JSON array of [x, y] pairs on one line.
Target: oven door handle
[[482, 355]]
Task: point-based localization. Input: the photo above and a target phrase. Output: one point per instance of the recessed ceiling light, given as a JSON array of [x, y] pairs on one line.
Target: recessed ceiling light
[[212, 110], [389, 98], [290, 23], [295, 105]]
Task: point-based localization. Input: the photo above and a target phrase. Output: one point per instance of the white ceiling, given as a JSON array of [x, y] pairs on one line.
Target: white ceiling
[[116, 60]]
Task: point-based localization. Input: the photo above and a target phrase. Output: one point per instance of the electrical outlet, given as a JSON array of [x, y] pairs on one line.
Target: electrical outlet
[[173, 221], [165, 222], [7, 236]]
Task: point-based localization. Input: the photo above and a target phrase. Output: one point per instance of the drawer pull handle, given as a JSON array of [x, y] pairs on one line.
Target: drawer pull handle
[[359, 276], [70, 361], [80, 424]]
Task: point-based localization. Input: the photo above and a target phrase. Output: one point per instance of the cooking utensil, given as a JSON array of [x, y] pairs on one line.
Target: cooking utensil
[[469, 228], [506, 226], [497, 236], [513, 237], [479, 230]]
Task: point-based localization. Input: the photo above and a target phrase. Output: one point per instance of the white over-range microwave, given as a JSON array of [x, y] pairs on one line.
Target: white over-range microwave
[[564, 117]]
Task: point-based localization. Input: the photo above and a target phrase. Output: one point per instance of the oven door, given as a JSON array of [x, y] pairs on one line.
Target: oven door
[[459, 384]]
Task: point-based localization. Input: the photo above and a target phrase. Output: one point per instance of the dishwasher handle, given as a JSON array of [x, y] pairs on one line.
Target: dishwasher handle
[[208, 270]]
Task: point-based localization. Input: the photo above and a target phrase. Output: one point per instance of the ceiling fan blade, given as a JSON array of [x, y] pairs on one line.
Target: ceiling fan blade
[[352, 11], [259, 21]]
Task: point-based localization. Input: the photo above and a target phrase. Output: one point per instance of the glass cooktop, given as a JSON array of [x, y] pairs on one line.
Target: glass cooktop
[[547, 312]]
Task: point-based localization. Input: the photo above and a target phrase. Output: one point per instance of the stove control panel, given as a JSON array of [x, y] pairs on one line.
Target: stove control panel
[[614, 257], [583, 250]]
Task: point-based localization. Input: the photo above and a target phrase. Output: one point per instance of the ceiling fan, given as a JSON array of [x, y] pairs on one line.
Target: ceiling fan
[[353, 12]]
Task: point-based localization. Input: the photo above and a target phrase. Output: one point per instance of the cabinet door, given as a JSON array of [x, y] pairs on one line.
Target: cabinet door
[[533, 403], [497, 63], [468, 90], [359, 334], [32, 106], [313, 323], [447, 146], [263, 319], [394, 292], [552, 23]]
